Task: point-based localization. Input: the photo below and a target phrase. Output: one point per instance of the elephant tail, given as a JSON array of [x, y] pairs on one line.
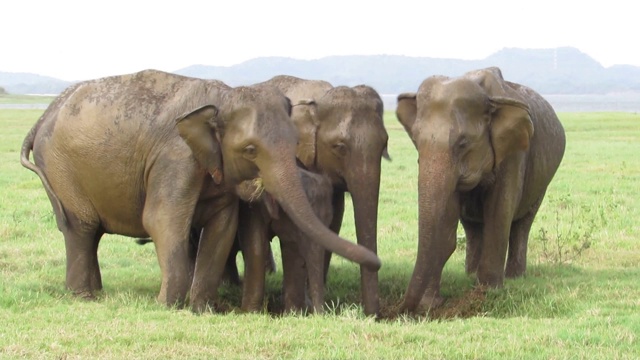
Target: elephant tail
[[27, 147]]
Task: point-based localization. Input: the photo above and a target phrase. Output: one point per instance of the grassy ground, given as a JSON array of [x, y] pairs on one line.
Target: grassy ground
[[24, 99], [579, 299]]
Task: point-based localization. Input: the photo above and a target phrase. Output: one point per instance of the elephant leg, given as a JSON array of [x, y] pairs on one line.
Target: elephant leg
[[335, 225], [314, 259], [83, 270], [231, 274], [429, 266], [170, 237], [194, 243], [270, 265], [294, 275], [498, 212], [167, 217], [473, 232], [518, 242], [216, 241], [253, 237]]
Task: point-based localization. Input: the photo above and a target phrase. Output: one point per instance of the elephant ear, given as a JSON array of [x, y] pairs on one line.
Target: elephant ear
[[406, 111], [511, 127], [197, 130], [305, 116]]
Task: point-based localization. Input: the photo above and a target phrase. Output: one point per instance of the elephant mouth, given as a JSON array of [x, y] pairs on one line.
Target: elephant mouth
[[468, 181], [251, 190]]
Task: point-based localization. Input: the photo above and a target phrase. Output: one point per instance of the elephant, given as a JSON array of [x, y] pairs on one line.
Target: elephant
[[302, 258], [342, 135], [153, 154], [487, 151]]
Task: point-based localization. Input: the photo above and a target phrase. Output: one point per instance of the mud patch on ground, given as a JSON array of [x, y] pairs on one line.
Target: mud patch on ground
[[470, 304]]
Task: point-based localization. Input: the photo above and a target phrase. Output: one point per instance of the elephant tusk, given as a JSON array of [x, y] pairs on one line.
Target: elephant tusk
[[216, 175]]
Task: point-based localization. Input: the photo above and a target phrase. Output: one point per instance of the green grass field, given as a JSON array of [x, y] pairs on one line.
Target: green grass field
[[24, 99], [580, 298]]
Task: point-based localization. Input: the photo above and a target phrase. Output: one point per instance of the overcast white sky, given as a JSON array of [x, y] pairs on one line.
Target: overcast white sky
[[77, 40]]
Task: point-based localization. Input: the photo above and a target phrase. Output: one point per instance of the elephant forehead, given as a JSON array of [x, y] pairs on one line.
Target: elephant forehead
[[459, 88]]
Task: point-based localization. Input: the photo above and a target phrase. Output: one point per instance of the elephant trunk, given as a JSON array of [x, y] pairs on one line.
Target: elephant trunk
[[364, 187], [283, 182], [439, 211]]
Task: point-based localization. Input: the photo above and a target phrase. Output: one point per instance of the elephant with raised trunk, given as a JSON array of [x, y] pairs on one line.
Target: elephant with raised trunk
[[152, 154], [488, 149], [342, 135]]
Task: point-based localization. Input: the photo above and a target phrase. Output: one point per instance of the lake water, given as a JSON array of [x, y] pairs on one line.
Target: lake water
[[627, 102]]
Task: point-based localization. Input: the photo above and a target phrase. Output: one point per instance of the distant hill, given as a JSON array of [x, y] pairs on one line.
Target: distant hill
[[26, 83], [563, 70]]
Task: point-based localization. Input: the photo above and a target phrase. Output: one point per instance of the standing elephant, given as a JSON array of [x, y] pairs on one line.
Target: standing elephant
[[149, 155], [488, 149], [342, 135], [302, 258]]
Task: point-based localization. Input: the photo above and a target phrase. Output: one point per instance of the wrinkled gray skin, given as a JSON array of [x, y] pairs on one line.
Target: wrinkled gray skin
[[148, 155], [302, 258], [342, 136], [488, 149]]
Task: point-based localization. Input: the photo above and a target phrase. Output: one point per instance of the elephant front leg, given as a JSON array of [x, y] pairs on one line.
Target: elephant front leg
[[215, 245], [499, 208], [253, 237], [423, 292], [314, 259], [294, 275]]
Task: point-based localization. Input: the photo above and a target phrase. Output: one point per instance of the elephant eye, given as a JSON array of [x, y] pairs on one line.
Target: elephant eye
[[463, 143], [340, 148], [250, 152]]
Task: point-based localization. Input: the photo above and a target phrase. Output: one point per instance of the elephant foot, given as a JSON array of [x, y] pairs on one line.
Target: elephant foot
[[490, 280], [430, 301], [200, 307], [84, 294], [515, 270], [171, 300]]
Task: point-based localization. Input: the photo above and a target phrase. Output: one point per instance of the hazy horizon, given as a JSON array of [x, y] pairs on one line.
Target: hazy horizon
[[67, 39]]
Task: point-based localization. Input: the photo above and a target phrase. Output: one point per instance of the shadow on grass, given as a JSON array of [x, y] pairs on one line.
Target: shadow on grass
[[546, 291]]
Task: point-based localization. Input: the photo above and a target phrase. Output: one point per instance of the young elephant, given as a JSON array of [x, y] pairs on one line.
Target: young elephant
[[488, 149], [342, 135], [302, 259], [149, 155]]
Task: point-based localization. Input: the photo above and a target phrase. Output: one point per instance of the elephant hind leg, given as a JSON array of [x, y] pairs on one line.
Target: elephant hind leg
[[518, 242], [83, 270], [473, 232]]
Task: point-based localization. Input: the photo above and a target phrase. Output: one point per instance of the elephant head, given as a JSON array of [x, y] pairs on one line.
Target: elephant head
[[253, 133], [342, 135], [463, 129], [348, 143]]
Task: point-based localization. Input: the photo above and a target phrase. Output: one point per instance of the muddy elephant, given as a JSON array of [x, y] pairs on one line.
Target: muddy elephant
[[152, 154], [488, 149], [302, 259], [342, 135]]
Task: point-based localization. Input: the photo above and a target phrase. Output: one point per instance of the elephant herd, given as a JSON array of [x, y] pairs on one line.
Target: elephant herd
[[201, 168]]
